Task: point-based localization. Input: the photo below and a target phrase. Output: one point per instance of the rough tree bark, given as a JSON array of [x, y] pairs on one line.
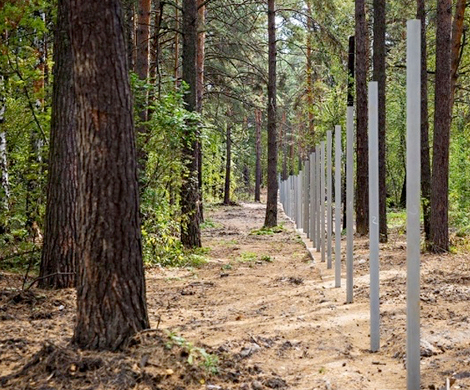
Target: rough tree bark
[[362, 161], [190, 229], [60, 252], [380, 77], [271, 205], [111, 305], [442, 120], [425, 158]]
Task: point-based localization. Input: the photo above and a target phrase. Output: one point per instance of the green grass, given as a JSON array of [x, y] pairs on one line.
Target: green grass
[[264, 231]]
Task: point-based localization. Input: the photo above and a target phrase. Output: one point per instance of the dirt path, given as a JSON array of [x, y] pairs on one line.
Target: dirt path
[[261, 296], [262, 303]]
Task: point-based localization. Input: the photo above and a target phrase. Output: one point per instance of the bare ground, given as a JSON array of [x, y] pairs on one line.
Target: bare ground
[[260, 312]]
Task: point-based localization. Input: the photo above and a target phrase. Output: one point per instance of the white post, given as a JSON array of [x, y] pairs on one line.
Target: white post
[[312, 197], [317, 194], [306, 197], [295, 216], [413, 181], [289, 196], [349, 203], [338, 206], [322, 201], [328, 198], [374, 216]]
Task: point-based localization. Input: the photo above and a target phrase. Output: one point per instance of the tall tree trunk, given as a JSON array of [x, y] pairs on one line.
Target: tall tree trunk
[[143, 42], [258, 155], [201, 42], [380, 77], [176, 69], [271, 205], [350, 103], [111, 305], [142, 36], [442, 121], [456, 51], [129, 23], [425, 158], [157, 6], [190, 229], [362, 169], [60, 252], [228, 164], [309, 81]]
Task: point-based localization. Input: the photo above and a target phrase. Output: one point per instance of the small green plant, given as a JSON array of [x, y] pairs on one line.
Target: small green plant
[[195, 354], [227, 267], [247, 257], [267, 258], [264, 231]]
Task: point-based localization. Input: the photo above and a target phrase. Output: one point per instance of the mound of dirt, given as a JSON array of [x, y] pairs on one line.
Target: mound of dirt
[[154, 360]]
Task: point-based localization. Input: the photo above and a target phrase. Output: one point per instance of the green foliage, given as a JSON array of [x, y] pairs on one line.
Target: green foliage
[[196, 355], [265, 231]]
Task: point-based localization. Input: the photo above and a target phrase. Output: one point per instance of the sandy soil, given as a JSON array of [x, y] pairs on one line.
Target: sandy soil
[[269, 313]]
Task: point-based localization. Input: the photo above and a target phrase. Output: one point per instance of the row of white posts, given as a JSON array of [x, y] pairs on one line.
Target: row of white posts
[[307, 198]]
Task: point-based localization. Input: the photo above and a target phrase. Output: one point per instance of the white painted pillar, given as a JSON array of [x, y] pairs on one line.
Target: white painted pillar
[[374, 216], [349, 202], [312, 197], [337, 206], [295, 213], [322, 202], [413, 182], [328, 198], [289, 196], [317, 194], [306, 198]]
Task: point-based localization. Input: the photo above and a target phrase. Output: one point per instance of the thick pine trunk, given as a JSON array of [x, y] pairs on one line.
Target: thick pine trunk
[[111, 305], [362, 159], [271, 204], [60, 252], [442, 120], [190, 229], [380, 77], [425, 159]]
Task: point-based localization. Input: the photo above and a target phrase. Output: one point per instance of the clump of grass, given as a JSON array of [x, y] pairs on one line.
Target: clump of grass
[[251, 257], [265, 231], [248, 257]]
